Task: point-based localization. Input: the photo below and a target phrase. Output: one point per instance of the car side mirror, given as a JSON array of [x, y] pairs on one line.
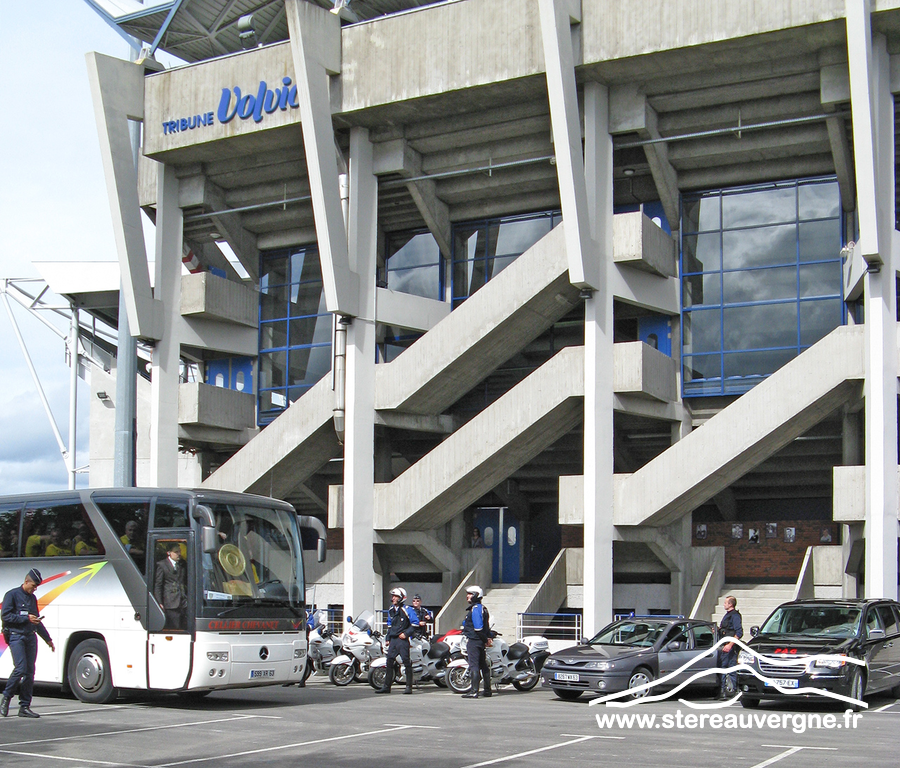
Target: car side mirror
[[875, 634], [582, 641], [675, 645], [754, 631]]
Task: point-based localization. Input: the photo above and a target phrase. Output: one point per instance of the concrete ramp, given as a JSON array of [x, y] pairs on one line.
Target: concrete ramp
[[740, 437], [287, 452], [494, 323], [506, 435]]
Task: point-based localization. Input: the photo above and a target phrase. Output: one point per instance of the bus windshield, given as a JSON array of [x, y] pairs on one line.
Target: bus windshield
[[256, 562]]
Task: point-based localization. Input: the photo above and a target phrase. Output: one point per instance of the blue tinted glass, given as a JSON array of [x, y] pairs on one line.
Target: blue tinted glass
[[749, 365], [760, 285], [701, 289], [761, 326], [818, 201], [820, 240], [702, 367], [701, 214], [273, 335], [825, 279], [419, 281], [516, 237], [763, 247], [701, 253], [819, 318], [702, 331], [759, 206], [308, 364], [419, 250]]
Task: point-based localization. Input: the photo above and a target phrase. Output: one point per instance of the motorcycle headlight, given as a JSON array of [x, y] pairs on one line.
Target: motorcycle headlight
[[746, 658], [601, 665]]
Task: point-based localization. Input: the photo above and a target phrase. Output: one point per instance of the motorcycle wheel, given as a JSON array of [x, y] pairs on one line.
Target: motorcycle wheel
[[459, 680], [342, 674], [529, 682], [376, 677], [441, 682]]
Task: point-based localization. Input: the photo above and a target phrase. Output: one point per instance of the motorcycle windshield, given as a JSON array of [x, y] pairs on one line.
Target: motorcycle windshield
[[365, 621]]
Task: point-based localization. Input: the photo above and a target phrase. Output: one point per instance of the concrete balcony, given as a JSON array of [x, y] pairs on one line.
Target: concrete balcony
[[643, 371], [203, 405], [641, 244], [210, 297]]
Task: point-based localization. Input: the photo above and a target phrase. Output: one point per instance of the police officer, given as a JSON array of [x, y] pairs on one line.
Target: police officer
[[22, 621], [402, 622], [422, 612], [730, 626], [478, 635]]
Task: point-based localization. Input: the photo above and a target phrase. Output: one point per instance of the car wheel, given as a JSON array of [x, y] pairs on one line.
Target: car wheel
[[88, 673], [567, 695], [857, 688], [640, 676], [749, 703], [342, 674]]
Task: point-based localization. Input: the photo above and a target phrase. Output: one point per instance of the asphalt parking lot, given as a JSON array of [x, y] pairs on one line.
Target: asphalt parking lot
[[351, 726]]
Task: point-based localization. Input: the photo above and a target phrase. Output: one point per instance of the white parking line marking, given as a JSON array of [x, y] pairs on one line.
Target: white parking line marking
[[81, 760], [130, 730], [789, 750], [230, 755], [407, 725], [530, 752], [885, 707]]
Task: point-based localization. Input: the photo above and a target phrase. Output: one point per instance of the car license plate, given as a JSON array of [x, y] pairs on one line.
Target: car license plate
[[573, 678], [784, 683], [256, 674]]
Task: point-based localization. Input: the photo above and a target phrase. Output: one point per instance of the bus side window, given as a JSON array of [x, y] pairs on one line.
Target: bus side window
[[170, 514], [128, 517], [49, 529], [9, 529]]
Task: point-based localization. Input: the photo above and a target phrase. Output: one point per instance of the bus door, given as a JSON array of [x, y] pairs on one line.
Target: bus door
[[171, 581]]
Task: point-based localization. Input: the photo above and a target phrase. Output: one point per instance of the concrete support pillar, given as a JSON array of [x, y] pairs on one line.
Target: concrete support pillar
[[598, 369], [359, 441], [873, 139], [165, 360]]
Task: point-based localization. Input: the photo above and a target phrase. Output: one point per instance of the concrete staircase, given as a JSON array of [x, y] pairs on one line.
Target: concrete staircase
[[504, 602], [754, 603]]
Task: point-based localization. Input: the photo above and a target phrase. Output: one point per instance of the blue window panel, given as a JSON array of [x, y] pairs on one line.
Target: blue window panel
[[702, 331], [701, 290], [818, 319], [756, 285], [760, 247]]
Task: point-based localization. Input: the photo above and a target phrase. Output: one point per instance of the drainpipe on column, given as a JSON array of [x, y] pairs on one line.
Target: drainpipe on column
[[340, 374]]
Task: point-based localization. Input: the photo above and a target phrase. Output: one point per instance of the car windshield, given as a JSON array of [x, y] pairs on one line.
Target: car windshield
[[828, 620], [256, 558], [631, 633]]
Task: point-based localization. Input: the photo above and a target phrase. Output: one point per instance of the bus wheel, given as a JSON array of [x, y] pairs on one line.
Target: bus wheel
[[89, 674]]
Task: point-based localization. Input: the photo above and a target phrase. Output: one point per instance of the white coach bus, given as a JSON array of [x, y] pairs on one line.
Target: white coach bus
[[102, 552]]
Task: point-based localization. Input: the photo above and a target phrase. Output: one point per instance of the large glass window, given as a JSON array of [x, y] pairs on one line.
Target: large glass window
[[761, 280], [483, 249], [294, 329], [414, 265]]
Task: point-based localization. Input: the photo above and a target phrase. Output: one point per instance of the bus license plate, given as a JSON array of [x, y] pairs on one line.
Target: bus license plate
[[572, 678], [784, 683], [256, 674]]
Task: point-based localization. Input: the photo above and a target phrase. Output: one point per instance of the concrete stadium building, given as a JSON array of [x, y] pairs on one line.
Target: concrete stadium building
[[612, 281]]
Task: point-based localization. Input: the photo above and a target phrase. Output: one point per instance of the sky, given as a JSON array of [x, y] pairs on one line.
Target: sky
[[53, 207]]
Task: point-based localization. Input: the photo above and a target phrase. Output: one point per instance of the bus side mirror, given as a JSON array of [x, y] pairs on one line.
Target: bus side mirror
[[321, 550], [208, 539], [308, 521]]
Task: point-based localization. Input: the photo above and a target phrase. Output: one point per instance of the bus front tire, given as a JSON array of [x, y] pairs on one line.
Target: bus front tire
[[89, 674]]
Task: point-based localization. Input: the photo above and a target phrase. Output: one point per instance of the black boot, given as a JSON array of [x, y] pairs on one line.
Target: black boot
[[26, 712], [388, 679], [4, 706]]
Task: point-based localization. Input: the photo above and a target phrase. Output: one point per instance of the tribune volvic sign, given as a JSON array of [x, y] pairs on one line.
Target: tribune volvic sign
[[243, 106]]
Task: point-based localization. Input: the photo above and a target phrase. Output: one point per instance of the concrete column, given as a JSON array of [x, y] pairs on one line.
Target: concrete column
[[598, 369], [873, 139], [165, 361], [359, 439]]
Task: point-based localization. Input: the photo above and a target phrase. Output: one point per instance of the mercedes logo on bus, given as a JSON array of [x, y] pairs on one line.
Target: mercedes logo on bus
[[264, 653]]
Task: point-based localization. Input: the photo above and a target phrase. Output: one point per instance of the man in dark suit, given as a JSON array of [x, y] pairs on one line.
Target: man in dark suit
[[169, 587]]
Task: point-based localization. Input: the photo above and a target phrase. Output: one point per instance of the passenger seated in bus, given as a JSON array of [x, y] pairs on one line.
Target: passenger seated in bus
[[36, 544], [9, 544], [59, 546], [85, 543], [132, 539]]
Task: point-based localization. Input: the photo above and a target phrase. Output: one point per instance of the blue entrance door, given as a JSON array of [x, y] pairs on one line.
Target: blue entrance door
[[500, 530]]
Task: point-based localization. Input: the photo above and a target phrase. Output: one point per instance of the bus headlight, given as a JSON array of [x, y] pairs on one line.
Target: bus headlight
[[217, 655], [299, 653]]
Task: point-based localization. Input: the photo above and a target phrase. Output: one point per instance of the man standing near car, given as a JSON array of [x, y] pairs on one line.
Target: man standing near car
[[21, 620], [478, 635], [730, 626], [402, 621]]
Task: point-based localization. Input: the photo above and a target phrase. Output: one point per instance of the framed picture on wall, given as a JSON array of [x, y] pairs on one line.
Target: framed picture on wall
[[737, 531], [771, 530], [790, 533], [825, 535], [753, 535], [700, 532]]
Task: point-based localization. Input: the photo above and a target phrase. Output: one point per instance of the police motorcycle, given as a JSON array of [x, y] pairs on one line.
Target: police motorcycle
[[519, 664], [429, 663], [361, 646], [323, 645]]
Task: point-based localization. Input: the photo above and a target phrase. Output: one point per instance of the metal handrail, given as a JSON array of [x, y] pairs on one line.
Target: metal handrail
[[553, 626]]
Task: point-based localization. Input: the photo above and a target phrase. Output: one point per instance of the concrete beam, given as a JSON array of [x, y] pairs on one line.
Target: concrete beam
[[435, 552], [315, 47], [726, 504], [413, 422], [117, 88], [406, 310], [557, 17], [231, 227]]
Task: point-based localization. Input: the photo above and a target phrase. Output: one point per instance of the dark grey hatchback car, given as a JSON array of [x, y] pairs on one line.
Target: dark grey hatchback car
[[630, 653]]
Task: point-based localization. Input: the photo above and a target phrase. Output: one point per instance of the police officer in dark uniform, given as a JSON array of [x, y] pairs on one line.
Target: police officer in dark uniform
[[402, 622], [478, 635], [730, 626], [23, 623]]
